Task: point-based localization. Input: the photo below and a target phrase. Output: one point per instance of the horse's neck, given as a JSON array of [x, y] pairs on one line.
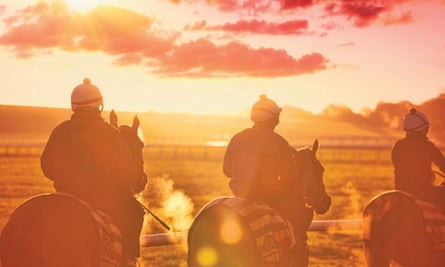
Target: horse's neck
[[303, 189]]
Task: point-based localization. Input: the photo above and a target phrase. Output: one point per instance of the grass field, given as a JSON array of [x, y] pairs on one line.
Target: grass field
[[181, 182]]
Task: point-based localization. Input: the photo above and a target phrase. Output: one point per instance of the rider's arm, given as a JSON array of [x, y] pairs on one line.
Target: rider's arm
[[227, 163], [437, 157]]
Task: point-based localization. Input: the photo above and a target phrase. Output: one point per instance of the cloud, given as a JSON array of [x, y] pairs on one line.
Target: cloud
[[112, 30], [202, 58], [131, 39], [252, 6], [129, 59], [406, 17], [39, 26], [248, 6], [285, 4], [348, 44], [200, 25], [260, 27], [363, 13]]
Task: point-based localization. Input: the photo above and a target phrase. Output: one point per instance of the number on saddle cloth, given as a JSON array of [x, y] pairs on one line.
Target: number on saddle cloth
[[274, 236]]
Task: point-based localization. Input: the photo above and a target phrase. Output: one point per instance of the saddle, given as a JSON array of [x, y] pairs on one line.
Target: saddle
[[274, 236], [434, 220], [109, 232]]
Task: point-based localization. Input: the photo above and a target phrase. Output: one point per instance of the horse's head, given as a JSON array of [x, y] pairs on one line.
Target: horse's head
[[135, 144], [311, 178]]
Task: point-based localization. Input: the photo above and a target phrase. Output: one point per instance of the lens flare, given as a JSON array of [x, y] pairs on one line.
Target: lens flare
[[207, 257], [230, 232]]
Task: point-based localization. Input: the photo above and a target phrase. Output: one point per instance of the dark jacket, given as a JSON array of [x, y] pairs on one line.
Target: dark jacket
[[412, 158], [260, 165], [87, 157]]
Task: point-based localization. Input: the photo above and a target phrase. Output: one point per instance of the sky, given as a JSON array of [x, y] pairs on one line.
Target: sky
[[218, 56]]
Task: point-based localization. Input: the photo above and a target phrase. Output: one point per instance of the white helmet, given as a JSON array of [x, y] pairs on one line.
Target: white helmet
[[415, 121], [86, 96], [264, 109]]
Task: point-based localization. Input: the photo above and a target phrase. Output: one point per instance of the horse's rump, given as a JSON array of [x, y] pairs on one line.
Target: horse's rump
[[401, 228], [59, 229], [432, 218], [272, 235]]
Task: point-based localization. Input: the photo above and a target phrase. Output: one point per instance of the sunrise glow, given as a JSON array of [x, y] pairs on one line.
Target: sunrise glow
[[217, 56], [83, 5]]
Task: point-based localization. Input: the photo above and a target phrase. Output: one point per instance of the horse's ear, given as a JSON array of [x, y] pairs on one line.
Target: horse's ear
[[315, 146], [113, 118], [136, 122]]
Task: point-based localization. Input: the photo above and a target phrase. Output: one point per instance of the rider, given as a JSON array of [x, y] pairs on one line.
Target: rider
[[87, 157], [412, 158], [260, 165]]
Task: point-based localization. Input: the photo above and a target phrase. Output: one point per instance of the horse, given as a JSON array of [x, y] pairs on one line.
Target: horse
[[59, 229], [230, 231], [400, 229]]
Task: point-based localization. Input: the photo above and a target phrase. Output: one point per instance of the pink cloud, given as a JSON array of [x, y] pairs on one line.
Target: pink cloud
[[200, 25], [362, 13], [39, 26], [348, 44], [251, 6], [366, 12], [108, 29], [404, 18], [264, 27], [203, 58], [129, 59], [129, 37], [285, 4]]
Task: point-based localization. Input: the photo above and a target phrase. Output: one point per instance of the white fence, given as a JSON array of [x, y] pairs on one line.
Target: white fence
[[206, 152]]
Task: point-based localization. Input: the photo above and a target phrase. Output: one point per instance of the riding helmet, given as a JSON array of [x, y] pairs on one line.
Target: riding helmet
[[264, 109], [86, 96], [415, 121]]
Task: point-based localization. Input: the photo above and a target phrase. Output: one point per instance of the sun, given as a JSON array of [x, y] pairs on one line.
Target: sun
[[83, 5]]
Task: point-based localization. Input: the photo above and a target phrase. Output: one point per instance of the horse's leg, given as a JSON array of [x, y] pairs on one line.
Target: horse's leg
[[379, 244], [300, 253]]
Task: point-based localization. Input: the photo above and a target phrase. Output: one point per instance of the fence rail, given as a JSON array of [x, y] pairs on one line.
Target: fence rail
[[363, 154]]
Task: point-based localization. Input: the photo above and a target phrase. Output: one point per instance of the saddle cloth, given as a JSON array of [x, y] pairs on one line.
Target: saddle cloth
[[109, 232], [274, 236], [434, 220]]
